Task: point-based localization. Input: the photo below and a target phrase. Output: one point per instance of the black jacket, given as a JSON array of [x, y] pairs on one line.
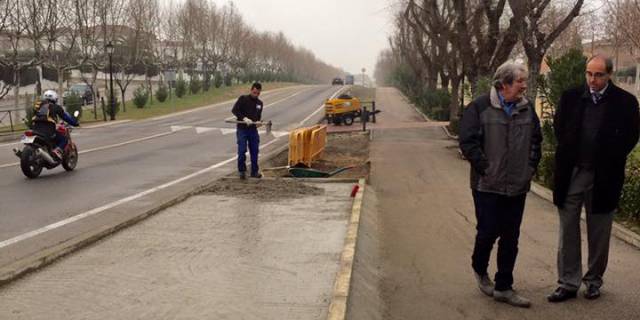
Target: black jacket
[[249, 107], [616, 138], [504, 151]]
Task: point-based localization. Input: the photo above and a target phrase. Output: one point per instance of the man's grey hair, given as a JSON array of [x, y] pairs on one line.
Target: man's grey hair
[[608, 62], [509, 72]]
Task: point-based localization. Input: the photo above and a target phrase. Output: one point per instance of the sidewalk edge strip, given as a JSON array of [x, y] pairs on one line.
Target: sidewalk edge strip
[[619, 231], [341, 287]]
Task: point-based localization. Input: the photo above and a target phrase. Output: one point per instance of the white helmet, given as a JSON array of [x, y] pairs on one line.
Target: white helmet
[[50, 95]]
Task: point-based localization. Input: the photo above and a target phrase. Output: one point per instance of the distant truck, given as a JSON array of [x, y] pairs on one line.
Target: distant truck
[[348, 79]]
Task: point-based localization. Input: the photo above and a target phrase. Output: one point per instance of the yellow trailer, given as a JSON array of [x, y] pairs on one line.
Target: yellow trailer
[[343, 109]]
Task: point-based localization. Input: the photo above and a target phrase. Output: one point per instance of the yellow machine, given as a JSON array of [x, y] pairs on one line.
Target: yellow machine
[[342, 109]]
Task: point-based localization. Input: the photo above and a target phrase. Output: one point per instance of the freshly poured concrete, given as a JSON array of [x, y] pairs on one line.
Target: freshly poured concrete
[[211, 257]]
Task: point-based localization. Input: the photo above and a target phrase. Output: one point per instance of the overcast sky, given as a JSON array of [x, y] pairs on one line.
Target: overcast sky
[[347, 34]]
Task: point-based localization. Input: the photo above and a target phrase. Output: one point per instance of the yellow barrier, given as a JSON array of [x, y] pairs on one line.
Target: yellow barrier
[[307, 144]]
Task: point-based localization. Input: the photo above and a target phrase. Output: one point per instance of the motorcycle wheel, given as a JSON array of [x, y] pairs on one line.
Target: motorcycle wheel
[[29, 163], [70, 160]]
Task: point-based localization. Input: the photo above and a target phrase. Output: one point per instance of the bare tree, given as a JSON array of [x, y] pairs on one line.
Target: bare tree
[[534, 39], [627, 18]]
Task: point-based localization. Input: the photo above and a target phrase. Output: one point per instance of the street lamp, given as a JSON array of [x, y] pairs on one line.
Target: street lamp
[[109, 47]]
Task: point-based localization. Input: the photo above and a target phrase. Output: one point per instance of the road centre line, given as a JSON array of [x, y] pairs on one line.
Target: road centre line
[[95, 211], [115, 145], [319, 108]]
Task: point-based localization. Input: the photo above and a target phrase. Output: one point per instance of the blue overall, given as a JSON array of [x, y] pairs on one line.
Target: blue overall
[[248, 136]]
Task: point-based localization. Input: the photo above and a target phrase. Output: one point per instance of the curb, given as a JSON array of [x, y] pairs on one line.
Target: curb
[[449, 134], [619, 231], [49, 255], [340, 295]]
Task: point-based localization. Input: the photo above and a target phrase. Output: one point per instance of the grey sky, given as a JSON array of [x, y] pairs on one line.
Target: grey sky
[[347, 34]]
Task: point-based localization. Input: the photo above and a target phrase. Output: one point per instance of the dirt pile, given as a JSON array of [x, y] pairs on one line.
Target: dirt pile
[[263, 190]]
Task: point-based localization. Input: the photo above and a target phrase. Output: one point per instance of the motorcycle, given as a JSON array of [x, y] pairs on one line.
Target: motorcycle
[[37, 152]]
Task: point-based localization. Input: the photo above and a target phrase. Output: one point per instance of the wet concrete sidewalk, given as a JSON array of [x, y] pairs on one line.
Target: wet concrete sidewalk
[[215, 256], [417, 232]]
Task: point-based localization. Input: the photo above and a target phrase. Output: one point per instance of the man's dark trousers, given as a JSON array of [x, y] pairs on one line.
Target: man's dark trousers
[[248, 136], [498, 216]]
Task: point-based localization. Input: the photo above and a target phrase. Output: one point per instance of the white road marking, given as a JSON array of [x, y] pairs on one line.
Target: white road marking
[[227, 131], [279, 134], [179, 128], [115, 145], [10, 144], [200, 130], [95, 211]]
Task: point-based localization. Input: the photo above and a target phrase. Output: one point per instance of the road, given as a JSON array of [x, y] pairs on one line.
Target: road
[[127, 159]]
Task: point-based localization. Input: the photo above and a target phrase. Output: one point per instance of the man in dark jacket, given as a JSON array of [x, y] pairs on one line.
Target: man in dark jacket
[[248, 109], [500, 135], [596, 127]]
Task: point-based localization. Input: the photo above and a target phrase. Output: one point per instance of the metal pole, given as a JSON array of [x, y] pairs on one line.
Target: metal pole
[[364, 116], [112, 101], [373, 109], [11, 120]]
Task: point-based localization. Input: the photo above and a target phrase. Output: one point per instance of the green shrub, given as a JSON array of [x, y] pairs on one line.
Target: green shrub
[[73, 103], [566, 71], [435, 103], [181, 87], [228, 80], [483, 86], [217, 81], [140, 97], [630, 200], [195, 85], [162, 92]]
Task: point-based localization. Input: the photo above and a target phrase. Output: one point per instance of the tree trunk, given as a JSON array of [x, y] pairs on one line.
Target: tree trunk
[[638, 77], [60, 86], [39, 81], [16, 90], [534, 72], [124, 107], [454, 106]]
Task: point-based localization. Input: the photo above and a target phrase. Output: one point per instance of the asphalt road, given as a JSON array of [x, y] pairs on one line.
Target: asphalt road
[[129, 158]]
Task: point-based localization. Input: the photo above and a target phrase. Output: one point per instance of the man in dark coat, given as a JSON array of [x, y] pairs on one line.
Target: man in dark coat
[[596, 127], [500, 135]]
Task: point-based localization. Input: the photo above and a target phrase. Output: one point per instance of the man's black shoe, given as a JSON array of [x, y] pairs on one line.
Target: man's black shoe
[[257, 175], [592, 292], [561, 294], [243, 175]]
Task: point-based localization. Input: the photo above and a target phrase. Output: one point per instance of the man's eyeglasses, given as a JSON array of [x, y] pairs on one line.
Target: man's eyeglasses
[[597, 75]]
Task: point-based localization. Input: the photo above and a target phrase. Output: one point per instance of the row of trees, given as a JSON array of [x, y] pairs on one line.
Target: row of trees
[[196, 37], [441, 43]]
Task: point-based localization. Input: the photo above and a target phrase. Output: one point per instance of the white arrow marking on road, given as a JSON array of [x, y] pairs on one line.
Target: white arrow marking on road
[[279, 134], [179, 128], [227, 131], [200, 130]]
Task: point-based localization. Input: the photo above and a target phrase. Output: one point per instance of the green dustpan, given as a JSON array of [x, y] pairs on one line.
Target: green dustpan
[[313, 173]]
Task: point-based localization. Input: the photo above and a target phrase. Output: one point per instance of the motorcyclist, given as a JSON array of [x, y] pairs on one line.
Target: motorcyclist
[[47, 113]]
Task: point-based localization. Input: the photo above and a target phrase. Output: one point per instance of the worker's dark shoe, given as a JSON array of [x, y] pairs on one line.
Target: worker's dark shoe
[[512, 298], [256, 175], [592, 292], [561, 294], [242, 175], [484, 284]]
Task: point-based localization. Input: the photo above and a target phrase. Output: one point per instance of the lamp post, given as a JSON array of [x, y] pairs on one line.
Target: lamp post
[[112, 104]]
